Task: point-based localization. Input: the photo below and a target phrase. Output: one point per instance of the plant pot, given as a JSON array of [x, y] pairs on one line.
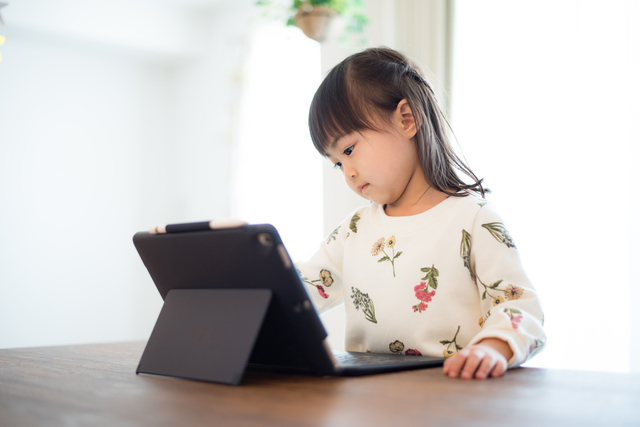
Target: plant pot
[[314, 23]]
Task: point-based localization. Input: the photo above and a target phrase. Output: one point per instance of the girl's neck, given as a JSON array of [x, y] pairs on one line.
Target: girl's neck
[[418, 197], [428, 201]]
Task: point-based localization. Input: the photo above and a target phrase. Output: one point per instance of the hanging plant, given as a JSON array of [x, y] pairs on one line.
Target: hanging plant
[[313, 17]]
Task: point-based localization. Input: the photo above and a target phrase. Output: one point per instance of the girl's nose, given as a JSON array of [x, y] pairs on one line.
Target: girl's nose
[[350, 173]]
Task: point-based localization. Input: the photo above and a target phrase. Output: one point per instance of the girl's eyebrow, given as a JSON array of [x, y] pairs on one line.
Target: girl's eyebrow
[[332, 147]]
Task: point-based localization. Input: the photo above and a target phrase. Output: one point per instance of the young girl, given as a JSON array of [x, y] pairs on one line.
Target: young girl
[[428, 267]]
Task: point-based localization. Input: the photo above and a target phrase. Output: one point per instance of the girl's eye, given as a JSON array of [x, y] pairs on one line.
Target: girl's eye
[[348, 151], [337, 165]]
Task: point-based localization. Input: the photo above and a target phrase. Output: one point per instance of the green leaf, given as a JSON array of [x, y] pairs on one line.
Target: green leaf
[[500, 233], [465, 244], [445, 342], [384, 258], [484, 295], [397, 255], [352, 224], [430, 277], [428, 271], [458, 347], [495, 284]]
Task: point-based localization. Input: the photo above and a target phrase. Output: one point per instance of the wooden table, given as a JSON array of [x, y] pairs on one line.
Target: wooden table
[[89, 385]]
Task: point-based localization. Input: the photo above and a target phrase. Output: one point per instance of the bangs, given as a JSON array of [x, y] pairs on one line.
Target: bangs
[[336, 111]]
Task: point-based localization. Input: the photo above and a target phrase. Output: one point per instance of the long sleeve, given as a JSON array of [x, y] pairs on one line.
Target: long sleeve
[[322, 274], [511, 309]]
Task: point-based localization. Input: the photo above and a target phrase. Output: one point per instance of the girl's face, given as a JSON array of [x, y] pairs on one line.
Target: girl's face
[[382, 166]]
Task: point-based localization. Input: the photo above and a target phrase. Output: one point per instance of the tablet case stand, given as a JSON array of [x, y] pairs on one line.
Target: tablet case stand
[[206, 334]]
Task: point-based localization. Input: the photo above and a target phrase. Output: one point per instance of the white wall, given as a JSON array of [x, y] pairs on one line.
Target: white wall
[[113, 118], [72, 169]]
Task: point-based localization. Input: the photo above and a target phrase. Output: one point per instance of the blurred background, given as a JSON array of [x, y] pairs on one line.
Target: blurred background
[[116, 116]]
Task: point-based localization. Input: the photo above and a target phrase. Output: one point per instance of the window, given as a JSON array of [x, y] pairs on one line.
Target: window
[[277, 174], [539, 106]]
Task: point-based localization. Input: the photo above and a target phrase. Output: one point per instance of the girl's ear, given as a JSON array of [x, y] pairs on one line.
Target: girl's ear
[[405, 120]]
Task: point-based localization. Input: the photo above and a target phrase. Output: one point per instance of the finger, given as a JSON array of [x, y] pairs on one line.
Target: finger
[[456, 362], [499, 369], [446, 366], [452, 366], [486, 366], [471, 364]]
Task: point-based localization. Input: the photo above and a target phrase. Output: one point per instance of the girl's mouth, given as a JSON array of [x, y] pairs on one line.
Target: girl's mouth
[[362, 187]]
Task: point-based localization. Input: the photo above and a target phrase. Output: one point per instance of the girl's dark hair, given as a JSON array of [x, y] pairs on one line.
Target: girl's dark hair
[[370, 84]]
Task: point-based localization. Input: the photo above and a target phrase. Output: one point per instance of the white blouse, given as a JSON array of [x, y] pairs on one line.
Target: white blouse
[[427, 284]]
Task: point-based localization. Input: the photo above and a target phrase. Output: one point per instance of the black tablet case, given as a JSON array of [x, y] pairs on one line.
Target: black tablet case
[[231, 300], [199, 326]]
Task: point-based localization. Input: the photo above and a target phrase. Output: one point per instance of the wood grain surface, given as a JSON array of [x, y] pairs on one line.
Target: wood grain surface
[[96, 385]]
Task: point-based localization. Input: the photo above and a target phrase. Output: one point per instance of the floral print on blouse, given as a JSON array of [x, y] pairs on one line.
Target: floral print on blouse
[[379, 246], [440, 281]]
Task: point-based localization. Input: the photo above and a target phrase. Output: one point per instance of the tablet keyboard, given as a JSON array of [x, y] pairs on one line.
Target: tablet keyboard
[[357, 358]]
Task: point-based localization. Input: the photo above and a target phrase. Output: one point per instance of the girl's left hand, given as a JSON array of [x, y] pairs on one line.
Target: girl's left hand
[[488, 358]]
